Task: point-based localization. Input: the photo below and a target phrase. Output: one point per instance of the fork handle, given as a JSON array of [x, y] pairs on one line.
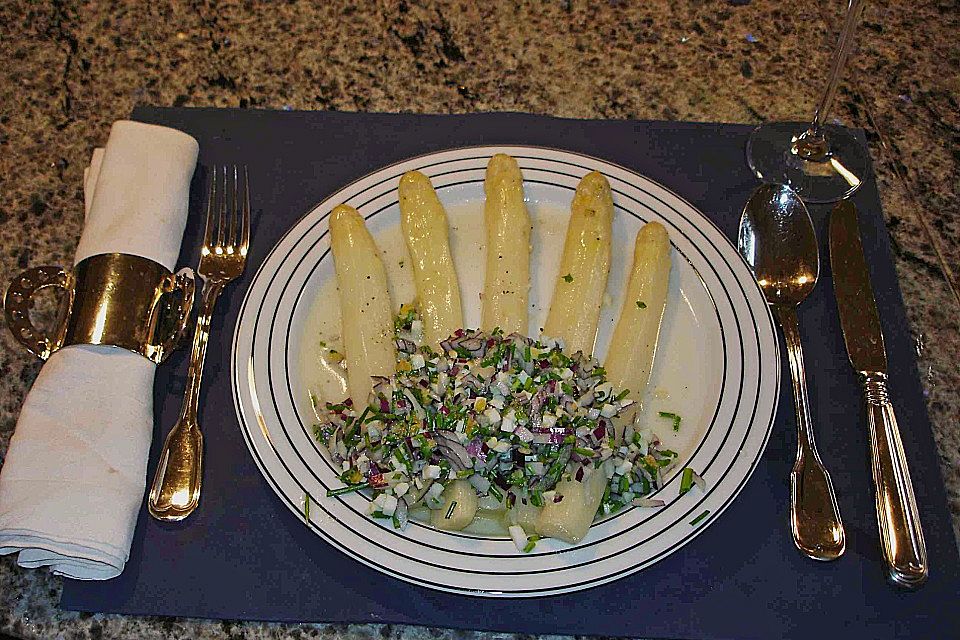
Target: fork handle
[[175, 491], [198, 353]]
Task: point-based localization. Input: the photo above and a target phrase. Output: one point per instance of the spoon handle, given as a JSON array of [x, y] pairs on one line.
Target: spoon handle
[[814, 514]]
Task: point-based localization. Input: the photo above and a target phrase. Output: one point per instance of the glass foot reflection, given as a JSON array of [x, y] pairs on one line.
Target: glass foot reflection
[[777, 153]]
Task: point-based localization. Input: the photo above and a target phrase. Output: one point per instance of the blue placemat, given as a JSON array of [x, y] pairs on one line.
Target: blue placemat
[[243, 555]]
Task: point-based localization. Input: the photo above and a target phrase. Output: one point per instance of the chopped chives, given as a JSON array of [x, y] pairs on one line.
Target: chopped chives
[[306, 507], [355, 425], [699, 518], [568, 278], [686, 480], [415, 405], [641, 304], [351, 488], [531, 543], [672, 416]]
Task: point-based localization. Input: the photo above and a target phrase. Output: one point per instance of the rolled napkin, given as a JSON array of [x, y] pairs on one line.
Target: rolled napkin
[[73, 480]]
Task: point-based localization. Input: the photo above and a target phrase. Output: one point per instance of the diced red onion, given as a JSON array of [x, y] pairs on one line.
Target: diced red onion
[[452, 449], [475, 447]]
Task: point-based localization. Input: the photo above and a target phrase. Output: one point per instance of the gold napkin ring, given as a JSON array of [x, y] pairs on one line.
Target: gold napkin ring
[[111, 299]]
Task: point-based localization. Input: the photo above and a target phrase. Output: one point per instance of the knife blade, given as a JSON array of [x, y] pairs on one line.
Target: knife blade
[[859, 319], [904, 549]]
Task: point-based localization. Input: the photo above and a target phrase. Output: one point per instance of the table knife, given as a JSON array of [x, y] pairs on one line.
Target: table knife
[[901, 535]]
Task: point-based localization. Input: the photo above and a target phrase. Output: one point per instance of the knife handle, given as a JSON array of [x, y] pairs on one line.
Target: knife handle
[[900, 532]]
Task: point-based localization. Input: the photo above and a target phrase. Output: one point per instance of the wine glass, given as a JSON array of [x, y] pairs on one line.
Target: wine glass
[[821, 162]]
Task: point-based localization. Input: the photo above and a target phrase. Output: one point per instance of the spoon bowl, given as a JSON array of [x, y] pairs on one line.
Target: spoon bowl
[[778, 242]]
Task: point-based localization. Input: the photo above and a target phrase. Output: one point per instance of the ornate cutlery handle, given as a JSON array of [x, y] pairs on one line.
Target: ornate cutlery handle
[[814, 514], [900, 532], [175, 492]]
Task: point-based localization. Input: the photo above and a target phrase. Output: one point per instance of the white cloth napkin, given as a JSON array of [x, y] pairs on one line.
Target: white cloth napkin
[[73, 480]]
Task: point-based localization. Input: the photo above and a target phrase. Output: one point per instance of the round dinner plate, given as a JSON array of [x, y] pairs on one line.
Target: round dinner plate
[[717, 366]]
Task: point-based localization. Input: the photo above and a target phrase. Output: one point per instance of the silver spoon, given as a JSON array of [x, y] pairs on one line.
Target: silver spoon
[[778, 242]]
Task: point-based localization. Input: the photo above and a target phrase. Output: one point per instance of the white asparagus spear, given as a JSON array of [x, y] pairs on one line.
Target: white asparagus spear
[[584, 267], [507, 284], [424, 224], [524, 514], [570, 519], [634, 342], [366, 313]]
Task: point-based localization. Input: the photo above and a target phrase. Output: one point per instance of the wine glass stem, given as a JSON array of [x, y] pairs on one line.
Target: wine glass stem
[[812, 144]]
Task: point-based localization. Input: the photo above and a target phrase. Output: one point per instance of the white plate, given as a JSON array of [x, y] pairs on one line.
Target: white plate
[[717, 366]]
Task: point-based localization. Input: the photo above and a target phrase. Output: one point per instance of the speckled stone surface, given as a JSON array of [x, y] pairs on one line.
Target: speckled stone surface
[[70, 69]]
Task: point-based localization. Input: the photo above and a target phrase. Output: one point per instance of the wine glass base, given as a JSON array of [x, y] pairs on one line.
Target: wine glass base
[[772, 156]]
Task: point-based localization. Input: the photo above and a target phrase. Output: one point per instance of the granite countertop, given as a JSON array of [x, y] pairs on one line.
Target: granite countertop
[[72, 68]]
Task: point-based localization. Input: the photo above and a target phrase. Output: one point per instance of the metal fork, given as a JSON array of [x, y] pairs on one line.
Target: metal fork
[[175, 492]]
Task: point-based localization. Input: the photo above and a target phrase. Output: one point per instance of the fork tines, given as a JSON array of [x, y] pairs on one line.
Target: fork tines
[[228, 211]]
